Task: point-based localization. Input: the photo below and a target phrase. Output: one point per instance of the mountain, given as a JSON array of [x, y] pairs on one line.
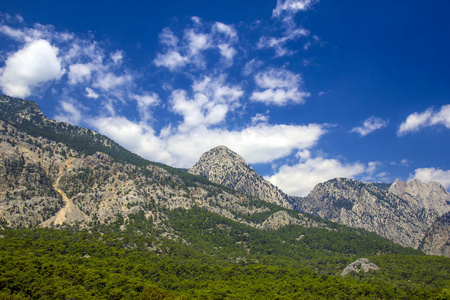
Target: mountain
[[83, 218], [365, 205], [223, 166], [430, 195], [401, 212], [437, 238]]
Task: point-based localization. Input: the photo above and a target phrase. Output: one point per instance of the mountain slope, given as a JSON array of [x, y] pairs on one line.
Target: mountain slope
[[223, 166], [437, 238], [430, 195], [364, 205]]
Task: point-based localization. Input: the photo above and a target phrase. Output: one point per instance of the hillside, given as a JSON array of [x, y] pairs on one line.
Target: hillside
[[129, 227]]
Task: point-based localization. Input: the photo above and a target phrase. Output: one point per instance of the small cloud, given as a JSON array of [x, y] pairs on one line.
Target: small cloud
[[252, 66], [117, 57], [429, 117], [370, 125], [279, 87], [171, 60], [91, 94], [144, 102], [286, 9], [260, 118], [70, 111], [404, 162]]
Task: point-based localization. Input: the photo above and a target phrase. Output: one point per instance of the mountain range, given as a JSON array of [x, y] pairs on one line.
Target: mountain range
[[54, 173], [71, 199]]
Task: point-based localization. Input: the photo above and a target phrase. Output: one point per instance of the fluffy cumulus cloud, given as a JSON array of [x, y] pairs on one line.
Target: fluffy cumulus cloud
[[300, 179], [278, 87], [261, 143], [35, 64], [429, 117], [432, 174], [212, 99], [370, 125]]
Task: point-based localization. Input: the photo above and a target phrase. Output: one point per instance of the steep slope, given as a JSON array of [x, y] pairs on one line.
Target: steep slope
[[225, 167], [437, 238], [51, 174], [364, 205], [430, 195]]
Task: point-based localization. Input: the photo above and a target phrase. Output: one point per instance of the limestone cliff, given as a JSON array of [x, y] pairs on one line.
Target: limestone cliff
[[437, 238], [223, 166], [430, 195], [365, 205]]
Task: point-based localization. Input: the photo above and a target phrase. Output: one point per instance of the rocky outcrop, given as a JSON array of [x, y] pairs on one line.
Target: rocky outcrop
[[365, 205], [362, 264], [430, 195], [437, 238], [283, 218], [223, 166]]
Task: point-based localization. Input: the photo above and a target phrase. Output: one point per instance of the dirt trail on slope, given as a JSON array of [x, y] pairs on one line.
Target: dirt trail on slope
[[69, 209]]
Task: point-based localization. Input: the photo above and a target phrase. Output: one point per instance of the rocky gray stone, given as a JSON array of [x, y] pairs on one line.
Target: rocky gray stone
[[362, 264]]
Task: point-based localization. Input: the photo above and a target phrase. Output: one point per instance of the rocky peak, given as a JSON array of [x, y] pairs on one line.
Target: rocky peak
[[430, 195], [223, 166], [365, 205]]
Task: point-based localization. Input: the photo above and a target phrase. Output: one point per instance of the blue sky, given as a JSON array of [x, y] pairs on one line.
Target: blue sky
[[304, 90]]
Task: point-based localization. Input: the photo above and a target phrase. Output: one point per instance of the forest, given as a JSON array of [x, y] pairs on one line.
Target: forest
[[210, 257]]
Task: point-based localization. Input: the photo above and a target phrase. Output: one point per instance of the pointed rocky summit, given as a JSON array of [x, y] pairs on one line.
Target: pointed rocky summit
[[223, 166]]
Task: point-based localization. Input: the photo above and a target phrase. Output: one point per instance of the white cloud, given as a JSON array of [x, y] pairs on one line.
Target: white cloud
[[117, 57], [260, 118], [168, 38], [79, 73], [195, 41], [432, 174], [261, 143], [279, 87], [300, 179], [171, 60], [251, 66], [109, 81], [90, 93], [416, 121], [137, 137], [370, 125], [278, 43], [16, 34], [211, 101], [144, 102], [288, 8], [30, 67], [70, 112]]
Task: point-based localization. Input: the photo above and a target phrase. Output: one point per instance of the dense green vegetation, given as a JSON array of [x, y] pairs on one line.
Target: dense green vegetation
[[70, 264], [210, 257]]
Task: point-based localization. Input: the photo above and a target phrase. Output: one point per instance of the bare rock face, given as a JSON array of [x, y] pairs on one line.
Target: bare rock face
[[437, 239], [223, 166], [365, 205], [362, 264], [430, 195]]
